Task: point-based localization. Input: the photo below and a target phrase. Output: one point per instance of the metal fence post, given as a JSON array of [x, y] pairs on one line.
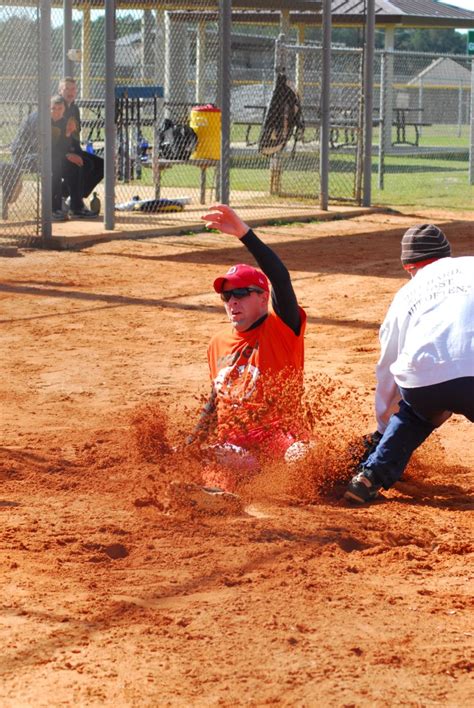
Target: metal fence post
[[109, 133], [44, 114], [68, 66], [368, 100], [200, 90], [86, 52], [381, 172], [471, 141], [225, 26], [325, 107]]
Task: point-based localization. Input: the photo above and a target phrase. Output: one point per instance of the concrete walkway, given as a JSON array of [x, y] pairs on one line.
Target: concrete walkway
[[130, 225]]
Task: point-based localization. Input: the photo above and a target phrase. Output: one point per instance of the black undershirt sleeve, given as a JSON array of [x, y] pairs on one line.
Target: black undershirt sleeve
[[284, 304], [284, 299]]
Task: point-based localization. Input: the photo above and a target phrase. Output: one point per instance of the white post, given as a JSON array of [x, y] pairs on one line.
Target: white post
[[176, 67], [44, 115], [300, 62], [146, 58], [460, 109], [388, 117], [200, 90], [86, 52], [159, 46], [471, 142], [420, 105], [68, 66], [109, 93], [285, 22], [325, 106]]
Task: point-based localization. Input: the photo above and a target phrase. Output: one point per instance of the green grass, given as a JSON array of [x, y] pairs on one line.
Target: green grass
[[408, 181], [421, 182], [434, 136]]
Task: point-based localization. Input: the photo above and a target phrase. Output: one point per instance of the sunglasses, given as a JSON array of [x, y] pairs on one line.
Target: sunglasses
[[238, 293]]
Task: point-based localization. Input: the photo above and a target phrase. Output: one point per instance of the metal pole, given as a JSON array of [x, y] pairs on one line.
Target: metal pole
[[383, 59], [225, 28], [471, 141], [68, 65], [109, 214], [420, 104], [389, 87], [147, 53], [299, 70], [200, 91], [325, 109], [86, 52], [459, 109], [44, 116], [369, 98]]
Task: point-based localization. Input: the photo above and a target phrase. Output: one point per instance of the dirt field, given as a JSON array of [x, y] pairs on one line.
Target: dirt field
[[112, 597]]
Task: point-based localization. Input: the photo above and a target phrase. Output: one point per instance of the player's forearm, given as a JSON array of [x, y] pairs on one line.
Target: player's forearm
[[267, 259], [206, 420], [284, 299]]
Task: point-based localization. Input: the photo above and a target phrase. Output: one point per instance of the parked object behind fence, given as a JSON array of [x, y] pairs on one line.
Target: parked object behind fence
[[284, 118], [177, 141]]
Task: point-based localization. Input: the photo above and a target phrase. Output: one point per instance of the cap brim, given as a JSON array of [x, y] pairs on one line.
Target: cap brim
[[219, 284]]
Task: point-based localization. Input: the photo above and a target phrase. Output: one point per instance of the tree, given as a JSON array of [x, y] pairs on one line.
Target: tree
[[439, 41]]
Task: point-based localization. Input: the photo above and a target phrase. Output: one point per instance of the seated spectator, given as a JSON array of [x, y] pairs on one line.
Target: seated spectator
[[66, 164], [93, 165]]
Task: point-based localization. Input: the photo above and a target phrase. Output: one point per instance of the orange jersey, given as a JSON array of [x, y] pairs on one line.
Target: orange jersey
[[257, 375]]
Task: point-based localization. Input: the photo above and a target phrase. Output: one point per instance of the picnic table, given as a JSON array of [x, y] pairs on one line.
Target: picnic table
[[402, 121], [343, 129]]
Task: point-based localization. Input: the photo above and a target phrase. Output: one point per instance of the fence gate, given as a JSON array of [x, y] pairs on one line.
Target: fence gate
[[19, 91]]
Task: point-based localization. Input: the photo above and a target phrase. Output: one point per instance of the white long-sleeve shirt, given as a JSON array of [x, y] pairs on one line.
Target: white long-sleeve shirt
[[427, 336]]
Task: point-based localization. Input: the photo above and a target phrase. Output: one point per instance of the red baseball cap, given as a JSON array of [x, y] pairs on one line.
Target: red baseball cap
[[241, 276]]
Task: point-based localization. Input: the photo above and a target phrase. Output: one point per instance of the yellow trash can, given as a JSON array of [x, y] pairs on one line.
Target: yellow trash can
[[206, 123]]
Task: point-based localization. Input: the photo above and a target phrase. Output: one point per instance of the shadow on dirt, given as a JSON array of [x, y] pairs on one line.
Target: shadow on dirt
[[123, 301], [295, 251]]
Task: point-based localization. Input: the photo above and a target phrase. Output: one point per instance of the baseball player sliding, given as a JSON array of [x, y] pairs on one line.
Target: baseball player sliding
[[256, 368]]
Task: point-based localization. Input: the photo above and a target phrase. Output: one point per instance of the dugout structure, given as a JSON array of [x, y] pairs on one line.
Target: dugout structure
[[214, 51]]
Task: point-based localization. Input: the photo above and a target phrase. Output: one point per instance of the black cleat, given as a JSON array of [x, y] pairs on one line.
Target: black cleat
[[362, 489]]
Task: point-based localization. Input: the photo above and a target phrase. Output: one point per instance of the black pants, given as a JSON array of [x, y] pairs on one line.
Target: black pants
[[57, 183], [77, 186], [73, 183], [93, 172], [420, 412]]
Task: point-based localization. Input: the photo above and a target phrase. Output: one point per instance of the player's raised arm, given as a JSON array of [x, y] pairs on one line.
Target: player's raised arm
[[284, 301], [225, 219]]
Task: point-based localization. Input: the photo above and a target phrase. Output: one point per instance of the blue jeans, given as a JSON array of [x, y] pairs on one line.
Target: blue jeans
[[420, 408]]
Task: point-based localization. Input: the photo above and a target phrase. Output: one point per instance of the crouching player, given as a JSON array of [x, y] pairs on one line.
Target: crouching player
[[426, 366]]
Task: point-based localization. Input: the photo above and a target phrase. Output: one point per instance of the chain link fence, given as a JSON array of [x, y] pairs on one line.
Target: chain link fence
[[295, 171], [168, 122], [19, 125], [424, 101]]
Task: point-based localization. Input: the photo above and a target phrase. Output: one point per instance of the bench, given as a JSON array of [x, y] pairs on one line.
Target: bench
[[159, 165], [10, 186]]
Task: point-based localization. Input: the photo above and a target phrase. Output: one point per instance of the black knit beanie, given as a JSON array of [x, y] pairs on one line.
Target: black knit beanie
[[424, 242]]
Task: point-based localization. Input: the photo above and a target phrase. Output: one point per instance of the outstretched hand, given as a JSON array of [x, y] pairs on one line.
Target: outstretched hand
[[225, 220]]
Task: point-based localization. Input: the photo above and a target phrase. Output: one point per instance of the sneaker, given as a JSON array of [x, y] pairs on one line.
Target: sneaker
[[209, 500], [83, 213], [361, 488], [58, 215]]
